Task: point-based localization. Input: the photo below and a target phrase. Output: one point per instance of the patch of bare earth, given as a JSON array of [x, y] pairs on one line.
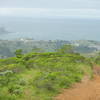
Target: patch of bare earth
[[85, 90]]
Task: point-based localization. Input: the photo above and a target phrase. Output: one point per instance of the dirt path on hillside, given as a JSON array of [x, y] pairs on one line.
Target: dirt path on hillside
[[85, 90]]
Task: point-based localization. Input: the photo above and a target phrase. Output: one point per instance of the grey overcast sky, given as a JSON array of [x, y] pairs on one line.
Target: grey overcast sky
[[31, 8], [67, 4]]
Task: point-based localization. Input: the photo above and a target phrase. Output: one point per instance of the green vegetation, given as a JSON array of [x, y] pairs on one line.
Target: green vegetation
[[96, 59], [8, 47], [40, 76], [18, 53], [66, 49]]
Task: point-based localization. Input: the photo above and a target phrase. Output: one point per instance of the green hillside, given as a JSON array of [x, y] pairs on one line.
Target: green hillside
[[40, 76]]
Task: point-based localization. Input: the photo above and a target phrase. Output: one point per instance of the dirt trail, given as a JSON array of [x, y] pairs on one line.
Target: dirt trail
[[85, 90]]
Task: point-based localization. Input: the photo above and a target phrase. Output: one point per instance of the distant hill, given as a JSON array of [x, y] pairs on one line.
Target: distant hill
[[8, 47], [86, 46]]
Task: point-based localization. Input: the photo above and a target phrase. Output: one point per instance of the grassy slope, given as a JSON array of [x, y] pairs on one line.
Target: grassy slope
[[40, 76]]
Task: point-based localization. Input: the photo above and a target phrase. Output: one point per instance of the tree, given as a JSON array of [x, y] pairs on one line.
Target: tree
[[18, 53], [66, 49]]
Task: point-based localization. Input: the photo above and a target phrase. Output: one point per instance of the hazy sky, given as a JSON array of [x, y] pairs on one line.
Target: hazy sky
[[67, 4], [46, 8], [79, 19]]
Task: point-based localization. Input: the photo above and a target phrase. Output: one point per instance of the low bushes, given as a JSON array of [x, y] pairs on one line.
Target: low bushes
[[44, 74]]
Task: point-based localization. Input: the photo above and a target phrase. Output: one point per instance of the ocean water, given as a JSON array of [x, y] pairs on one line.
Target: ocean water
[[51, 28]]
